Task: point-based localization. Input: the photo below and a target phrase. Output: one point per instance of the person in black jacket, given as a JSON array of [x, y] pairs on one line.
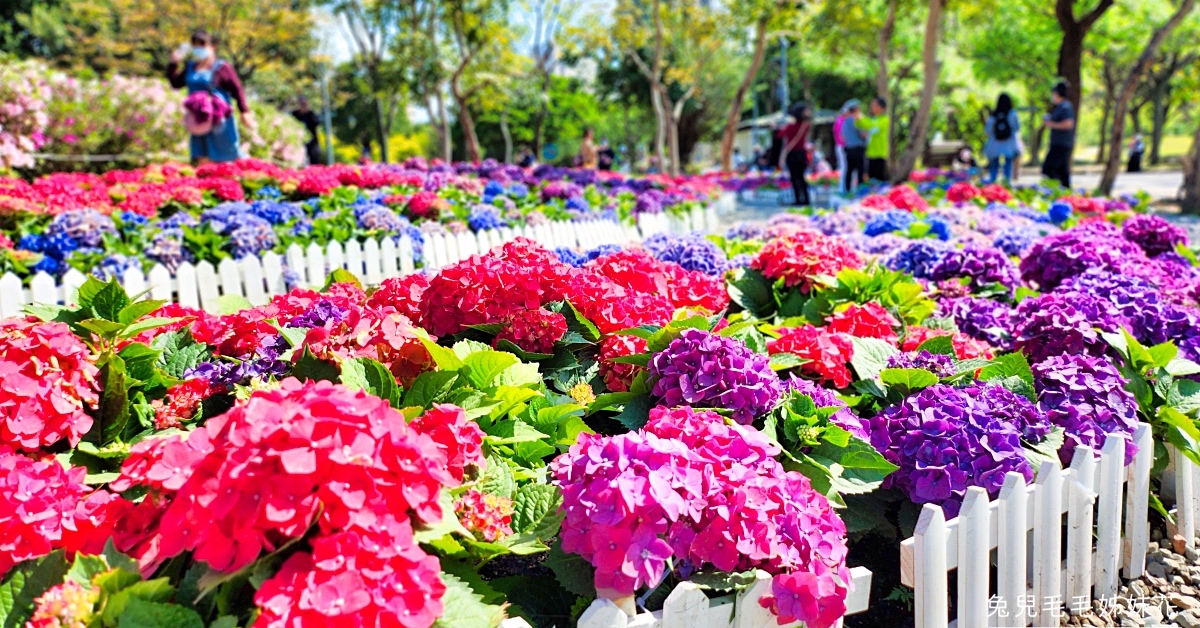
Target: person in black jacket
[[309, 119]]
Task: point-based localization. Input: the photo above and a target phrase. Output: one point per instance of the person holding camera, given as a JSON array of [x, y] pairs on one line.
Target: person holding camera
[[213, 87], [1061, 122], [1003, 128]]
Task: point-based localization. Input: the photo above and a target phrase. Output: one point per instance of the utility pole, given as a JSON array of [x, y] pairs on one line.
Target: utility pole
[[783, 74], [327, 115]]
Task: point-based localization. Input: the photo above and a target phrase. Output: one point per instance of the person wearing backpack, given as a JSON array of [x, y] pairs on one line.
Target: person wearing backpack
[[213, 88], [1003, 130]]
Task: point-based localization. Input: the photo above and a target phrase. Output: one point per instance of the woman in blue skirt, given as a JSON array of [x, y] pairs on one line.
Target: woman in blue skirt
[[204, 72]]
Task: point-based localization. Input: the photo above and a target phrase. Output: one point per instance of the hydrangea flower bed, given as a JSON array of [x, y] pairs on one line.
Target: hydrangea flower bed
[[171, 213], [611, 423]]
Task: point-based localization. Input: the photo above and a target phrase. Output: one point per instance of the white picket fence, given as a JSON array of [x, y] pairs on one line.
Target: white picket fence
[[689, 607], [202, 285], [1033, 584], [1181, 485]]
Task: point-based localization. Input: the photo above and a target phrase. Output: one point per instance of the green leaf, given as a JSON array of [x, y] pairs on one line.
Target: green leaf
[[147, 324], [909, 379], [27, 581], [483, 367], [310, 367], [140, 613], [519, 374], [857, 468], [608, 400], [1019, 386], [504, 344], [85, 567], [1162, 354], [636, 413], [579, 323], [372, 376], [1184, 396], [113, 412], [428, 387], [294, 336], [752, 292], [1008, 365], [178, 362], [1047, 449], [132, 312], [109, 300], [785, 361], [224, 621], [1180, 367], [637, 359], [722, 581], [101, 327], [510, 432], [341, 275], [88, 291], [1181, 431], [938, 344], [750, 336], [466, 347], [870, 356], [536, 510], [498, 478], [116, 559], [572, 571], [445, 359], [963, 367], [232, 304], [466, 609]]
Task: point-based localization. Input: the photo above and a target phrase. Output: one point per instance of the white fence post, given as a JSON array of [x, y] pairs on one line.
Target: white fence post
[[931, 602], [1108, 537], [1047, 536], [1137, 504], [1012, 547], [973, 561], [1080, 517]]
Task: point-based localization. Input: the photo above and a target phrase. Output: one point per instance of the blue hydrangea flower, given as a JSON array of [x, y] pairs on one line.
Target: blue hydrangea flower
[[1059, 212], [483, 217], [887, 222]]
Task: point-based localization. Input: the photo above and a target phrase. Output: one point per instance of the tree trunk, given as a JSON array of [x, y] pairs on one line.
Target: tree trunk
[[1130, 86], [1070, 52], [444, 118], [883, 84], [671, 117], [1107, 110], [507, 137], [539, 121], [920, 125], [1160, 102], [468, 125], [381, 129], [1135, 117], [739, 97], [1035, 140], [1191, 177], [660, 125]]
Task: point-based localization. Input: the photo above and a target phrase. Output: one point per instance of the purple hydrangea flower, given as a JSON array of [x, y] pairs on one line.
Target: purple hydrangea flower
[[1058, 257], [252, 236], [981, 265], [1086, 396], [1071, 323], [86, 226], [918, 258], [936, 363], [982, 319], [692, 251], [701, 369], [946, 439], [1153, 233], [318, 314]]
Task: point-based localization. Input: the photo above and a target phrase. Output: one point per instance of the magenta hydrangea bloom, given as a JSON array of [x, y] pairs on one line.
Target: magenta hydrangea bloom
[[703, 369], [946, 439], [702, 492], [1153, 233], [1086, 396], [1066, 323]]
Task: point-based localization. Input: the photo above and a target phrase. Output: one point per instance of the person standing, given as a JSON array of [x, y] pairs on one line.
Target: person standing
[[1137, 148], [1061, 122], [309, 119], [606, 156], [876, 129], [795, 151], [839, 142], [1003, 127], [206, 73], [855, 149], [589, 157]]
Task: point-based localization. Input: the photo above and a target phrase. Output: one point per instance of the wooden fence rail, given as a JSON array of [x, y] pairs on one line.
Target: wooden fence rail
[[258, 279], [1024, 525]]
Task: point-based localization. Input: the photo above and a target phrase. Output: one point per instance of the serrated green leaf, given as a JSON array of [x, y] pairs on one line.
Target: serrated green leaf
[[943, 345], [519, 374], [132, 312], [909, 379], [636, 413], [962, 367], [784, 361], [310, 367], [483, 367], [536, 510], [102, 327], [1180, 367], [27, 581], [224, 621], [752, 292], [579, 323], [572, 571], [341, 275], [88, 291], [428, 387], [372, 376], [113, 412], [1008, 365], [139, 613], [109, 300], [445, 359], [232, 304], [516, 431], [466, 609], [148, 324], [870, 356], [498, 478], [85, 567]]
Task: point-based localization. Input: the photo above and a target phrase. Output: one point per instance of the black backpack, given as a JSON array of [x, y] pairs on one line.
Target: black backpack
[[1001, 128]]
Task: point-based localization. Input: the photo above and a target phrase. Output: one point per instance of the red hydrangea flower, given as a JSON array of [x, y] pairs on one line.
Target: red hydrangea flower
[[182, 402], [379, 333], [962, 192], [612, 307], [965, 347], [639, 271], [534, 331], [870, 320], [379, 577], [403, 293], [485, 515], [424, 205], [299, 453], [827, 352], [46, 382], [617, 376], [800, 257], [44, 507], [906, 198], [996, 193], [458, 437]]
